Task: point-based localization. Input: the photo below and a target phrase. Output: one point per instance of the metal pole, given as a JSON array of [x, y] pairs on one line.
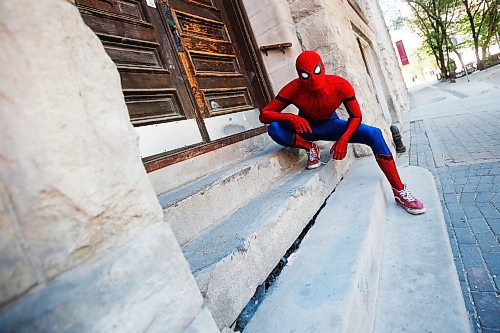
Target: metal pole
[[466, 74]]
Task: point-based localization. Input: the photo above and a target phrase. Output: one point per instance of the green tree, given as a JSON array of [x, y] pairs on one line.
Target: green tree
[[434, 20], [483, 19]]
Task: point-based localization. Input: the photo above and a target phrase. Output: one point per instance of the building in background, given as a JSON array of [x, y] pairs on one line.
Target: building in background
[[131, 142]]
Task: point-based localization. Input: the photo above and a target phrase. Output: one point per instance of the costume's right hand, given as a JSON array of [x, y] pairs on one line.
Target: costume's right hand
[[299, 124]]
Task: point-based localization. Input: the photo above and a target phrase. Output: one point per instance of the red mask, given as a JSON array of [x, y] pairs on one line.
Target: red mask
[[311, 70]]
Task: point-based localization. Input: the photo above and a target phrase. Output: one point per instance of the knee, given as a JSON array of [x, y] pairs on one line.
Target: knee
[[278, 134], [377, 133], [376, 136], [378, 143], [274, 130]]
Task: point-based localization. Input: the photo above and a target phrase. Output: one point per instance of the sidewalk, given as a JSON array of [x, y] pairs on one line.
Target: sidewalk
[[455, 133]]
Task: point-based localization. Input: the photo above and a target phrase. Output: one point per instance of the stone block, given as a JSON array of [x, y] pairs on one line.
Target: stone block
[[281, 76], [488, 308], [479, 225], [464, 236], [486, 241], [302, 9], [203, 323], [16, 272], [472, 212], [492, 259], [450, 198], [270, 14], [70, 163], [231, 259], [337, 297], [236, 182], [471, 255], [88, 190], [144, 285], [479, 279]]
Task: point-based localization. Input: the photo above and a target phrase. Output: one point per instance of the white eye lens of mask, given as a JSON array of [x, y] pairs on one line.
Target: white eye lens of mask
[[304, 75], [317, 70]]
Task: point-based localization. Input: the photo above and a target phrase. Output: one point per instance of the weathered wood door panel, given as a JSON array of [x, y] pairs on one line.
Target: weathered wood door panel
[[220, 74], [188, 69], [135, 37]]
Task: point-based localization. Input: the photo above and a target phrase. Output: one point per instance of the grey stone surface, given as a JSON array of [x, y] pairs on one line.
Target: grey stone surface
[[203, 323], [236, 181], [175, 176], [419, 289], [310, 296], [230, 259], [459, 137], [83, 244], [16, 273], [76, 189], [466, 139], [145, 285], [329, 283]]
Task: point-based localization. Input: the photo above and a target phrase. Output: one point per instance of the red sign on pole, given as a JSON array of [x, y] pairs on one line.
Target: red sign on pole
[[402, 52]]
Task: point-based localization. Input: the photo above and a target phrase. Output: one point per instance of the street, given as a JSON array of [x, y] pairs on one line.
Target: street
[[453, 129]]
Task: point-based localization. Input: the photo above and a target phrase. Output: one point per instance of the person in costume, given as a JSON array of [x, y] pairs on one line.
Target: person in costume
[[317, 96]]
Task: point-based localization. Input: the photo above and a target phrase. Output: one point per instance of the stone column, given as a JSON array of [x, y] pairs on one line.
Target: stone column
[[82, 238], [386, 54]]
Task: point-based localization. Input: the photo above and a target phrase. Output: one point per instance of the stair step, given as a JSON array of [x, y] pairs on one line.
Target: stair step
[[368, 266], [328, 285], [419, 289], [211, 198], [230, 259]]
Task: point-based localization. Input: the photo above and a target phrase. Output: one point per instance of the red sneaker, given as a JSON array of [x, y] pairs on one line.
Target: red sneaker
[[406, 200], [314, 157]]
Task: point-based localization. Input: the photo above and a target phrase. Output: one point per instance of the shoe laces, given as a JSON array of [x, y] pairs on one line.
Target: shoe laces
[[406, 194], [312, 154]]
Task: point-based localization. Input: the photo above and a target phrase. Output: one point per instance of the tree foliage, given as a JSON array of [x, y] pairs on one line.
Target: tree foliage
[[482, 18], [434, 20], [437, 21]]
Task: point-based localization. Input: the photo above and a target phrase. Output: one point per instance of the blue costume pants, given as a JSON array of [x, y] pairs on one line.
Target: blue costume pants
[[330, 130]]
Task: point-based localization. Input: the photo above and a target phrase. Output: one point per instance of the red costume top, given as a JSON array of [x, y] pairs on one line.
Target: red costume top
[[317, 96]]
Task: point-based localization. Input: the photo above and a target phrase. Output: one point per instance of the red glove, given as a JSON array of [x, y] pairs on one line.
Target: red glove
[[299, 124], [339, 150], [272, 112]]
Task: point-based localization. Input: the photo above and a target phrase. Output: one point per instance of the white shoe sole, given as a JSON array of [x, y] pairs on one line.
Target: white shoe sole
[[314, 166], [412, 211]]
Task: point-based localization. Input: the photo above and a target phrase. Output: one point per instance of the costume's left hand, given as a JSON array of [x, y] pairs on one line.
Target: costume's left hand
[[339, 150]]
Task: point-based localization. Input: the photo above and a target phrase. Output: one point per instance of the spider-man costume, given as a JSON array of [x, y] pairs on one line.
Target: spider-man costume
[[317, 96]]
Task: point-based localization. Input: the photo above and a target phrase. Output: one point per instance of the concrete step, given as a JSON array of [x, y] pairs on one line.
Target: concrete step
[[364, 267], [213, 197], [230, 259], [419, 289], [328, 285]]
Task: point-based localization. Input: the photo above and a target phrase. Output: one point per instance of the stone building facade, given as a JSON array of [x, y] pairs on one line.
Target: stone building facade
[[86, 245]]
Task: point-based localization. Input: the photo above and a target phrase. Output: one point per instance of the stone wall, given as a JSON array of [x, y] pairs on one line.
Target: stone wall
[[83, 245], [386, 54], [327, 27]]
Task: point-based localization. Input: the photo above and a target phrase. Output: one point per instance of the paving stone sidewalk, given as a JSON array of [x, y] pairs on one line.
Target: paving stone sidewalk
[[469, 197]]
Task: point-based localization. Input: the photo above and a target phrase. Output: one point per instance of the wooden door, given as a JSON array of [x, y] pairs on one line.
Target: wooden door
[[222, 74], [188, 69], [135, 37]]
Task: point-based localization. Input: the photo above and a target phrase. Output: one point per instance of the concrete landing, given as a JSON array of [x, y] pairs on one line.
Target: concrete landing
[[419, 289], [329, 282], [347, 277], [231, 259]]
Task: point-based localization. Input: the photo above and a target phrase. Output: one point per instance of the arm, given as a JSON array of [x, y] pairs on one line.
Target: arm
[[339, 149], [272, 112]]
